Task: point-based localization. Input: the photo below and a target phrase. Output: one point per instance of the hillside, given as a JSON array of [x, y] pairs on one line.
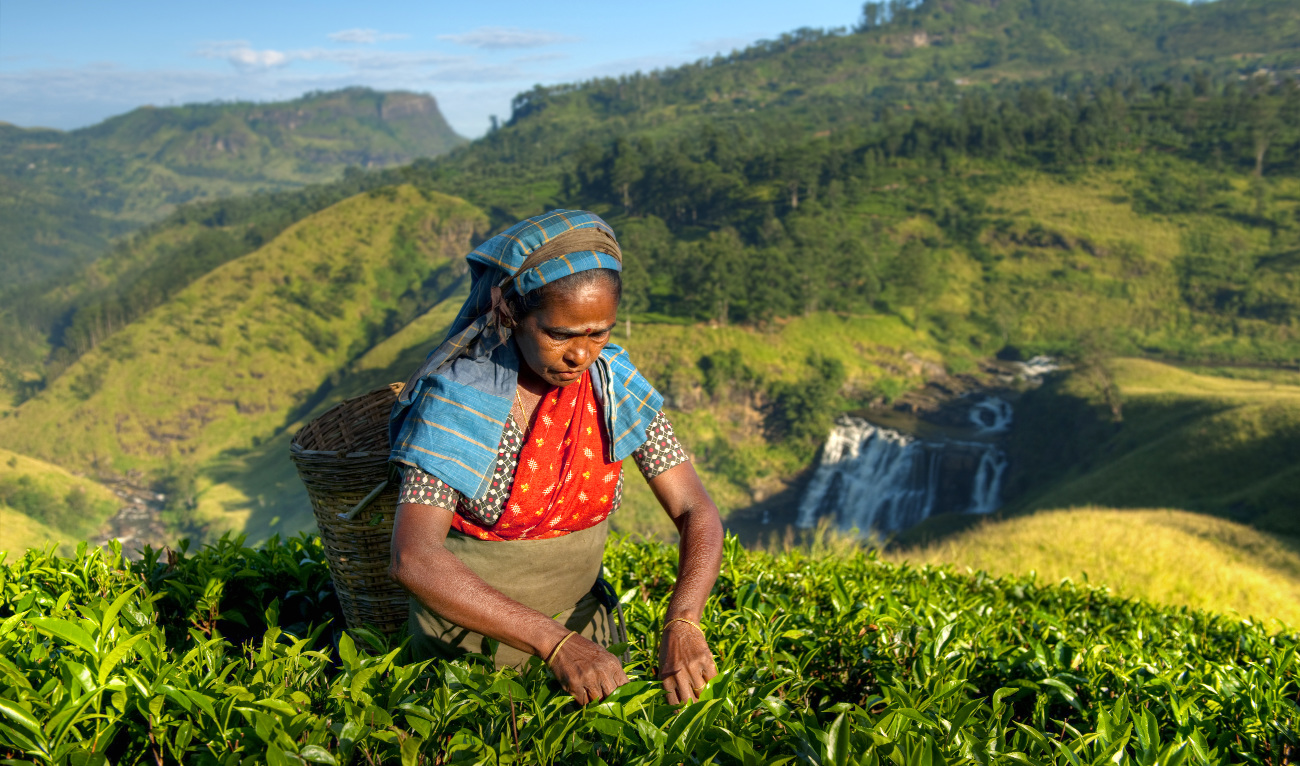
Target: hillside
[[43, 505], [63, 195], [792, 158], [228, 361], [1168, 557], [1200, 442], [811, 84]]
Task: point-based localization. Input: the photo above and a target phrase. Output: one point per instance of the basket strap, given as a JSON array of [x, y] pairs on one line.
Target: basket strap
[[608, 598]]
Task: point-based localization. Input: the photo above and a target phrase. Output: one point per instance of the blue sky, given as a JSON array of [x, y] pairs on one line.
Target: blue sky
[[68, 64]]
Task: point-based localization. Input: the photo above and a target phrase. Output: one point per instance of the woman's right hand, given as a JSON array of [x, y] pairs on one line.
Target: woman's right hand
[[587, 670]]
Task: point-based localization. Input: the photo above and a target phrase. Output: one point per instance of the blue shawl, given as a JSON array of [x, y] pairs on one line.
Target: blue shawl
[[450, 416]]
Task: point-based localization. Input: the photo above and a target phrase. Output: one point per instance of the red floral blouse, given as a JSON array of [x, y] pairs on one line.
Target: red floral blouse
[[660, 452]]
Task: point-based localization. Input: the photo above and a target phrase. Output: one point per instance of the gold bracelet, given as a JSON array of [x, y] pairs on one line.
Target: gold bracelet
[[696, 625], [556, 650]]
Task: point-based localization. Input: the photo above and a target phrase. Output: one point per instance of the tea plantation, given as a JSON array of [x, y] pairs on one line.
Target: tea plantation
[[232, 655]]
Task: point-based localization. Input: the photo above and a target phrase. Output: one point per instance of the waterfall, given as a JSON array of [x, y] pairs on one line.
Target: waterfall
[[991, 416], [985, 496], [876, 479]]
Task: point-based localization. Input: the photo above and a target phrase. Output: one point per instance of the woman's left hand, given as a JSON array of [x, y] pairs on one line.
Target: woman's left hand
[[685, 662]]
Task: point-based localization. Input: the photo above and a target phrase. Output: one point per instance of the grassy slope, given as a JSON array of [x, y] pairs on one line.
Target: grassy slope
[[1078, 252], [258, 493], [19, 531], [225, 364], [1172, 557], [1214, 444]]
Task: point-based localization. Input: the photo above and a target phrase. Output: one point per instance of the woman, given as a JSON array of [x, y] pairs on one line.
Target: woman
[[510, 438]]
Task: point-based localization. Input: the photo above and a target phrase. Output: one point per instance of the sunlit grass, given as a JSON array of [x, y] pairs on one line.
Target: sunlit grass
[[19, 531], [1095, 208], [1214, 444], [1166, 556], [223, 366]]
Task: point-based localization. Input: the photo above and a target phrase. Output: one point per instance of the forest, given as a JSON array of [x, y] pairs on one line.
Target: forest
[[725, 216]]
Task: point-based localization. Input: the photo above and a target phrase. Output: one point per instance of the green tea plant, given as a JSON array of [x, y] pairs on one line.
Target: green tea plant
[[232, 655]]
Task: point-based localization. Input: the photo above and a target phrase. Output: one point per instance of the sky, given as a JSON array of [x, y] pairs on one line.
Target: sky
[[66, 64]]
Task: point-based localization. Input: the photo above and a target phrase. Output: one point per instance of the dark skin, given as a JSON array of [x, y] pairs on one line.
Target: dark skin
[[558, 342]]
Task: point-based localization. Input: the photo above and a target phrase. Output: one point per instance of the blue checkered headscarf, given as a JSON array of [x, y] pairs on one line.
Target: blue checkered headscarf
[[450, 415]]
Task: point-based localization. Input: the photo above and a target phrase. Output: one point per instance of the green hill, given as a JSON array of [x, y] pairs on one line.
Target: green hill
[[228, 361], [63, 195], [43, 505], [1170, 557], [1200, 442]]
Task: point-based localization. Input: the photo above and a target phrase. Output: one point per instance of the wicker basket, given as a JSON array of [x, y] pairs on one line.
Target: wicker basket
[[342, 457]]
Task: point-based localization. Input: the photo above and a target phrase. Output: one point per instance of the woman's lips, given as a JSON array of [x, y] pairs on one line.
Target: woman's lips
[[568, 375]]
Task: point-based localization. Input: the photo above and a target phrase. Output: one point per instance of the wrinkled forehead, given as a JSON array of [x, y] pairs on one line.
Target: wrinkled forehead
[[587, 310]]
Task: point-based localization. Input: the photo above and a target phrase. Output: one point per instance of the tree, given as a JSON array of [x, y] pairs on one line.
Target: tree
[[873, 15], [625, 170], [801, 412], [1091, 359], [1263, 114], [916, 278]]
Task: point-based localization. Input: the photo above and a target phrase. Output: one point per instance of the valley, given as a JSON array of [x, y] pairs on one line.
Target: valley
[[802, 250], [979, 321]]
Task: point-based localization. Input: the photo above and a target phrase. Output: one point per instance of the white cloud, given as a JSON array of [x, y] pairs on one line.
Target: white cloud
[[364, 36], [507, 37], [247, 59], [243, 56], [254, 59]]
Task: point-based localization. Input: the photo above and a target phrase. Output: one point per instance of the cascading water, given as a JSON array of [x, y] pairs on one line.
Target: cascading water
[[876, 479], [991, 416], [986, 495]]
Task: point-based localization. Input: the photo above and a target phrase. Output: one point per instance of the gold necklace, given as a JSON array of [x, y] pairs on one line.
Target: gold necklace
[[523, 414]]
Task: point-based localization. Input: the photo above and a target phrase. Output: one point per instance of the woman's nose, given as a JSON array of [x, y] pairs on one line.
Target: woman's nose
[[576, 354]]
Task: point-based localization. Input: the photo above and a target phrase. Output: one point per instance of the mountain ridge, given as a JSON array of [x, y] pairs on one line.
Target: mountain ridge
[[131, 169]]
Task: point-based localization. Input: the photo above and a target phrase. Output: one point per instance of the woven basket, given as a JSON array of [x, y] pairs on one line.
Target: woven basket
[[342, 457]]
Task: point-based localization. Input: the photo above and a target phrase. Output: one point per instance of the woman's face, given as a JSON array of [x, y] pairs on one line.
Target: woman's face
[[560, 340]]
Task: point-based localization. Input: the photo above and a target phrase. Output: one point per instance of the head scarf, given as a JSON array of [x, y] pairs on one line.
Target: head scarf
[[451, 413]]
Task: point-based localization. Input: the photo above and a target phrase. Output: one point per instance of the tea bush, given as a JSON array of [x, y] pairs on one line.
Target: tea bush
[[231, 655]]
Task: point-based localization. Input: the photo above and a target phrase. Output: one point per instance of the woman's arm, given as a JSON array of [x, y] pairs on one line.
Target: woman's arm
[[685, 660], [433, 575]]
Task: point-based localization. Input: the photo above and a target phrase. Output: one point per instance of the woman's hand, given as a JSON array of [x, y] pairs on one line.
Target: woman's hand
[[685, 662], [587, 670]]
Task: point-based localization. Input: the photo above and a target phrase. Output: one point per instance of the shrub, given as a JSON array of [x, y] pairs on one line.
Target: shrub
[[224, 656], [800, 412], [726, 371]]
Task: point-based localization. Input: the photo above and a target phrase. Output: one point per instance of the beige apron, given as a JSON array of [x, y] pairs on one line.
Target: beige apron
[[553, 576]]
